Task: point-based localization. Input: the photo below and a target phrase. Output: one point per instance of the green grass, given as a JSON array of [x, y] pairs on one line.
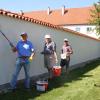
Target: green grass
[[78, 85]]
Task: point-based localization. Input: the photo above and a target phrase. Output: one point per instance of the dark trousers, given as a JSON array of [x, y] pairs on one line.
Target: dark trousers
[[65, 62]]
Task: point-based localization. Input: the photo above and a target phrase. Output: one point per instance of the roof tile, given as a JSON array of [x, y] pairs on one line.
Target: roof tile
[[71, 16], [29, 19]]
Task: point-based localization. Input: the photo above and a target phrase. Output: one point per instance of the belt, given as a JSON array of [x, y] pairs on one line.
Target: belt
[[24, 57]]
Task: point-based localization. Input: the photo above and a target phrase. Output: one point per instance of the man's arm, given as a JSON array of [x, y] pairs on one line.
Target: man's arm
[[70, 51], [33, 53], [14, 49], [55, 54]]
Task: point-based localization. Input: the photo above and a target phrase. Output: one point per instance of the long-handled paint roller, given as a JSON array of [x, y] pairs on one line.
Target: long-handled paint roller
[[10, 43]]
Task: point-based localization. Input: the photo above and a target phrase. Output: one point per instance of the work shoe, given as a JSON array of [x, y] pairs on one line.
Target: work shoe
[[10, 89]]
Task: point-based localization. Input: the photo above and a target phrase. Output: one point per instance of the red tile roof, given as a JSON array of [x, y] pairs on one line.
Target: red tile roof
[[71, 16], [32, 20]]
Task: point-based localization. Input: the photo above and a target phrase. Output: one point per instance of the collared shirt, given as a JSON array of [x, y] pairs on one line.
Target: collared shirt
[[66, 49], [24, 48], [49, 48]]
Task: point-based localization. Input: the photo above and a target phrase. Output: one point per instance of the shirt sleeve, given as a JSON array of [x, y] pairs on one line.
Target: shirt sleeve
[[32, 47], [54, 46], [70, 49], [17, 46]]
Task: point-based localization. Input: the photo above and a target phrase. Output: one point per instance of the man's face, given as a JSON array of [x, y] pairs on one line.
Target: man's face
[[47, 40], [65, 42], [24, 37]]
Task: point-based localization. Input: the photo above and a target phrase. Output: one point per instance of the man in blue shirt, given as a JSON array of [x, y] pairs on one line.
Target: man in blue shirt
[[25, 51]]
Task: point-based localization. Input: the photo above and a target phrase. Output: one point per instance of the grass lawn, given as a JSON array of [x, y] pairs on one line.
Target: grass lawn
[[78, 85]]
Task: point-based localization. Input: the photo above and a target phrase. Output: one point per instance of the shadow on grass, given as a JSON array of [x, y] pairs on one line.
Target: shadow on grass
[[74, 75]]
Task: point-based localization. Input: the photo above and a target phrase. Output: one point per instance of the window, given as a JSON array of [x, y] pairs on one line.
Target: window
[[77, 29], [89, 29]]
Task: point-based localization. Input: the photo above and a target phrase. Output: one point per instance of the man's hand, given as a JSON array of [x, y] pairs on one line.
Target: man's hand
[[42, 52], [14, 49], [30, 58], [56, 60]]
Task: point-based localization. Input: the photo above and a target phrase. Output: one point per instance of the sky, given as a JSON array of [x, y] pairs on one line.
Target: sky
[[31, 5]]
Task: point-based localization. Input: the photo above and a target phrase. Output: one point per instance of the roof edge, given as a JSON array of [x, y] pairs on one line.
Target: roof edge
[[32, 20]]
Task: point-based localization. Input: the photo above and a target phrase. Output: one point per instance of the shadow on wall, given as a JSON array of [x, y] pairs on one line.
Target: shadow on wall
[[74, 75]]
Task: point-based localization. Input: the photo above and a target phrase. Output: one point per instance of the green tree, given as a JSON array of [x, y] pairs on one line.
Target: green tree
[[95, 17]]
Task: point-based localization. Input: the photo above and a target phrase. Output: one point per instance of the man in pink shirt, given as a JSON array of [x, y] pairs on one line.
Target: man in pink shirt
[[66, 51]]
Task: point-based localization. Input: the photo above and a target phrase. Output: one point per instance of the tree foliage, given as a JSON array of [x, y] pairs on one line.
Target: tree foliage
[[95, 17]]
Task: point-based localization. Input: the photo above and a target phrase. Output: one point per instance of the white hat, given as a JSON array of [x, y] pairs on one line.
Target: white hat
[[66, 39], [47, 36], [23, 33]]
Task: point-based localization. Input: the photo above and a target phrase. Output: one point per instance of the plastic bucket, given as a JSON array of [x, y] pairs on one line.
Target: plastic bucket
[[56, 70], [42, 85]]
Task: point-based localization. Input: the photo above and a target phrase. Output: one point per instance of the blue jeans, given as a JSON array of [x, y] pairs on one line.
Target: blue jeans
[[19, 64]]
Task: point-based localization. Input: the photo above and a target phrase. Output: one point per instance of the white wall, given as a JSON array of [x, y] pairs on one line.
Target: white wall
[[83, 29], [84, 48]]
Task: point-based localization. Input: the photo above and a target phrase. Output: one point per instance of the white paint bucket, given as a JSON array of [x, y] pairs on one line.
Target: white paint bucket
[[42, 85]]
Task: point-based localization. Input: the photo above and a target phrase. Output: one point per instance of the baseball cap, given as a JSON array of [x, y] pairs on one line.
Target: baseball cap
[[47, 36], [23, 33], [66, 39]]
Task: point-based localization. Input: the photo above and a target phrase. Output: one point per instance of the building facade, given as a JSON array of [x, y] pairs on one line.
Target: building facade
[[85, 48], [84, 29], [76, 19]]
